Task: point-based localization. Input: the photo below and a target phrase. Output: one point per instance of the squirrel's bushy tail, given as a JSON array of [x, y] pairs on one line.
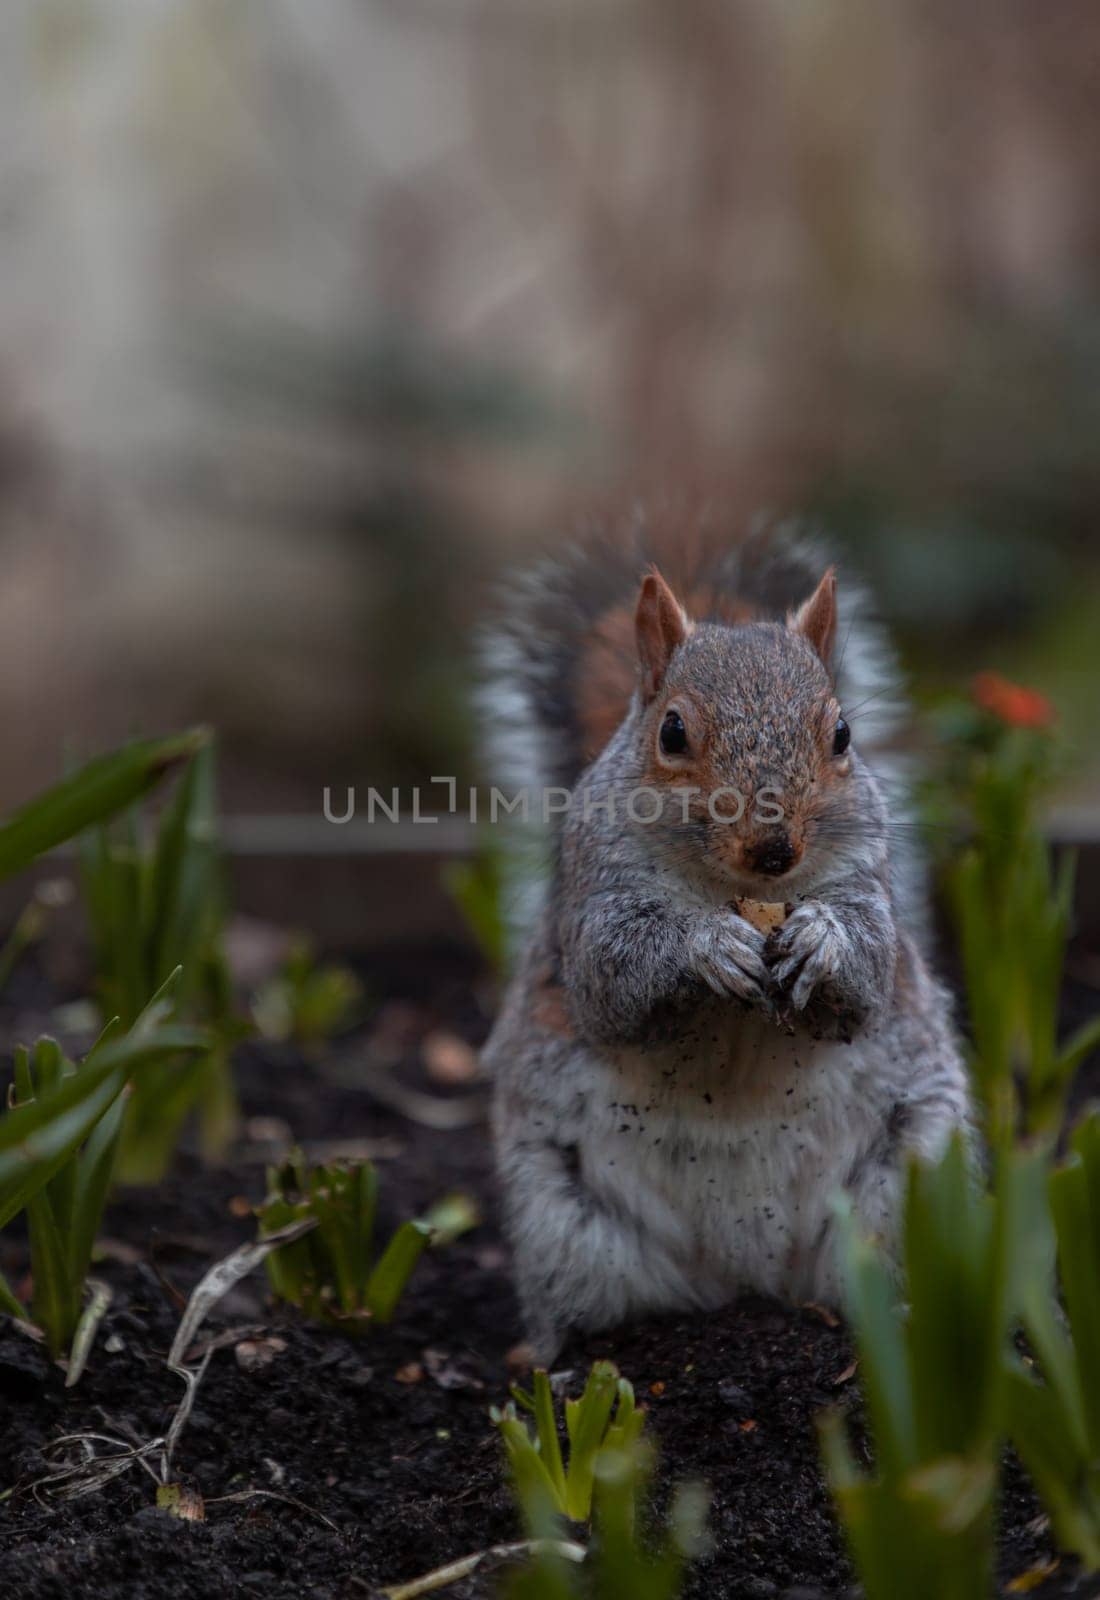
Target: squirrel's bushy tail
[[559, 667]]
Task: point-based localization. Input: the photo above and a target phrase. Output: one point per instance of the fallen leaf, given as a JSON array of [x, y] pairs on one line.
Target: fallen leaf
[[748, 1426], [411, 1372], [521, 1357], [848, 1373], [396, 1028], [268, 1130], [207, 1344], [1032, 1578], [449, 1374], [99, 1300], [254, 950], [28, 1330], [55, 892], [107, 1249], [178, 1501], [355, 1373], [449, 1059], [490, 1258], [829, 1318], [322, 1151], [252, 1354]]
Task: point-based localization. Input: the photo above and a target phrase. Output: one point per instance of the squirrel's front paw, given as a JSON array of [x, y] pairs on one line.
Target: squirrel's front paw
[[728, 955], [806, 953]]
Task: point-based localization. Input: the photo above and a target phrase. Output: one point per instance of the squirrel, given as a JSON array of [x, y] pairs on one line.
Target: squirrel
[[678, 1093]]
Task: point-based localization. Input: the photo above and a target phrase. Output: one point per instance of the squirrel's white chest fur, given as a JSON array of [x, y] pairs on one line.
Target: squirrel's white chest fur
[[728, 1145]]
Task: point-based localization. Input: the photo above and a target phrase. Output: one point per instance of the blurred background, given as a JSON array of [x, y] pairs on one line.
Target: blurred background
[[316, 314]]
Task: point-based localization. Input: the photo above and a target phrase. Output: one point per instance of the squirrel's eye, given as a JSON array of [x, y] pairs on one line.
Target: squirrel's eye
[[674, 739], [842, 737]]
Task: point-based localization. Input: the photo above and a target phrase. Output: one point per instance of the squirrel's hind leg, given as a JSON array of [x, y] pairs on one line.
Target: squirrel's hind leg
[[578, 1264]]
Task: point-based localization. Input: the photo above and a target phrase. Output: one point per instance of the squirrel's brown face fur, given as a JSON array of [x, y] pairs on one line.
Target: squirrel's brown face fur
[[747, 717]]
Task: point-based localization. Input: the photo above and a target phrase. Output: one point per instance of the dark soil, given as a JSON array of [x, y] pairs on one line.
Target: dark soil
[[348, 1463]]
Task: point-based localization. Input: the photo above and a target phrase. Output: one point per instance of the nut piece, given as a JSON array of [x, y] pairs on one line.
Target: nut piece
[[765, 915]]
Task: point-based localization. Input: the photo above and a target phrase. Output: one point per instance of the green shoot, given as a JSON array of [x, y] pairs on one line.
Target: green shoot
[[58, 1144], [308, 1003], [605, 1416], [96, 791], [610, 1484], [923, 1523], [332, 1273], [1013, 915], [625, 1562], [32, 923], [150, 908], [477, 888], [1055, 1424]]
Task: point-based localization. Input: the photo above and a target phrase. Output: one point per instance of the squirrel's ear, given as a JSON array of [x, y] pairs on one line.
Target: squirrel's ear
[[660, 624], [815, 618]]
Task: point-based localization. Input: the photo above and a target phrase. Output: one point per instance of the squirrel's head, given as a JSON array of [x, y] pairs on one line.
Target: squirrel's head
[[742, 734]]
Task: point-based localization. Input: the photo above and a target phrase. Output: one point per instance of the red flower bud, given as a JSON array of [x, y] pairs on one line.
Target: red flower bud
[[1011, 702]]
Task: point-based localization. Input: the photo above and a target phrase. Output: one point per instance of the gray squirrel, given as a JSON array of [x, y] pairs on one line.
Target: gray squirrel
[[680, 1092]]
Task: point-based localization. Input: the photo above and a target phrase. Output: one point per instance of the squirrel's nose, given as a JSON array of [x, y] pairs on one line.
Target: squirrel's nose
[[773, 857]]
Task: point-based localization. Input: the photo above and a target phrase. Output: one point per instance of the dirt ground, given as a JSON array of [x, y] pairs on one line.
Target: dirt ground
[[343, 1464]]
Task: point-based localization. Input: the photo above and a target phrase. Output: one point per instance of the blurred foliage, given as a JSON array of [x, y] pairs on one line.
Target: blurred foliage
[[1061, 656], [32, 923], [418, 559], [1054, 1420], [93, 792], [154, 901], [1053, 1415], [947, 1384], [407, 335], [922, 1523], [389, 378], [628, 1555], [477, 887], [308, 1002], [1011, 903], [944, 1383]]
